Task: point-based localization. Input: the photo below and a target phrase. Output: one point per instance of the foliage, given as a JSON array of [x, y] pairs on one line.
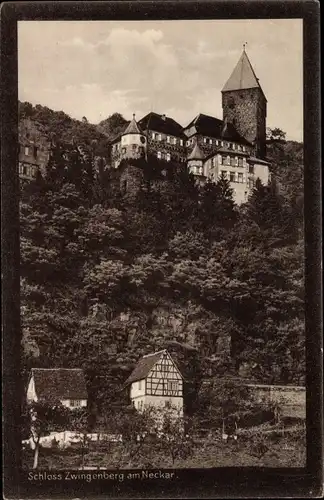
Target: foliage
[[41, 418], [106, 281]]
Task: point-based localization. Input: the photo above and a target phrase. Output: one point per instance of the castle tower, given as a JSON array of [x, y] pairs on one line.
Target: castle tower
[[195, 161], [133, 142], [245, 105]]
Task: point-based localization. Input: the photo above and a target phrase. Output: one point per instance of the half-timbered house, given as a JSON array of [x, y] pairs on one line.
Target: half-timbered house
[[156, 382]]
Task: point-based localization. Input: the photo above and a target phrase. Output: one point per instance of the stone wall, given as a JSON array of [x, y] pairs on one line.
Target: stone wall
[[290, 399], [131, 179], [246, 109]]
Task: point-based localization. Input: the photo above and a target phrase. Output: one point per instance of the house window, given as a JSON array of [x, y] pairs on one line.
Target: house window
[[123, 150], [240, 162], [26, 150], [232, 161], [168, 139], [159, 155], [251, 169], [168, 157], [217, 143], [172, 386], [181, 142], [224, 160], [240, 177], [75, 403], [210, 141], [222, 143], [205, 140], [243, 148], [230, 145], [228, 160], [232, 176], [201, 171], [159, 137]]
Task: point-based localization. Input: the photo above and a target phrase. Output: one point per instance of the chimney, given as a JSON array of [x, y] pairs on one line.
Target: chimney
[[163, 117]]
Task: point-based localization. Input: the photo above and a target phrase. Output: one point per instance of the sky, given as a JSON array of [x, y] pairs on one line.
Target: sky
[[96, 68]]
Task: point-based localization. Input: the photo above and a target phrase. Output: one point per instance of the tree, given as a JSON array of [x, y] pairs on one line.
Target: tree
[[43, 417], [80, 422], [172, 438], [275, 135]]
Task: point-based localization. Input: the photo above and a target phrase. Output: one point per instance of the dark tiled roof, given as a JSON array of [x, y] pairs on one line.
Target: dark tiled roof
[[196, 153], [59, 383], [132, 128], [252, 159], [143, 367], [243, 76], [213, 127], [166, 125]]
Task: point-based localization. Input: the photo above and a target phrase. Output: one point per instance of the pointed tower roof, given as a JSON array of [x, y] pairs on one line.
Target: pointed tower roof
[[243, 76], [196, 153], [132, 127]]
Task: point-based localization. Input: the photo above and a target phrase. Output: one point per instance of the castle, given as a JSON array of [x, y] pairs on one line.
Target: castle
[[234, 147]]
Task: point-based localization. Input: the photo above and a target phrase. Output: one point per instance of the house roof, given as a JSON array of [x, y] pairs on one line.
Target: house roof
[[213, 127], [196, 153], [243, 76], [132, 128], [161, 123], [145, 365], [59, 383]]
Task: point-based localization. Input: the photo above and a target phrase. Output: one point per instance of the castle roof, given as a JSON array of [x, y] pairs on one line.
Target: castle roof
[[196, 153], [161, 123], [59, 383], [132, 128], [243, 76], [213, 127]]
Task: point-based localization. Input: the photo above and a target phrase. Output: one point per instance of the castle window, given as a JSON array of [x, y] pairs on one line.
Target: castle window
[[232, 176], [228, 160], [210, 141], [232, 160], [124, 186], [251, 169], [230, 145], [75, 403], [224, 173], [168, 157], [26, 150], [240, 162], [181, 142], [123, 150], [159, 155], [205, 140], [217, 142], [224, 160], [168, 139], [159, 137], [240, 177], [243, 148], [201, 170]]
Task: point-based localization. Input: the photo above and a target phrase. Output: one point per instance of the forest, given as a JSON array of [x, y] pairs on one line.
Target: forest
[[107, 279]]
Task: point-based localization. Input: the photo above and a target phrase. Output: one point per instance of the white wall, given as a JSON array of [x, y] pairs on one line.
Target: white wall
[[137, 389], [31, 392], [261, 172], [128, 139]]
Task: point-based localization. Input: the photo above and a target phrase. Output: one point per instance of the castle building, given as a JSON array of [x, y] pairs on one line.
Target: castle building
[[234, 147], [34, 150], [156, 382]]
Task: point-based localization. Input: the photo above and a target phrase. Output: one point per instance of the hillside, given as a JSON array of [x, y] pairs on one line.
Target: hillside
[[105, 281]]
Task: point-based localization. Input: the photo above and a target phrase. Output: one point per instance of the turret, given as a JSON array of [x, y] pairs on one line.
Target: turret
[[133, 142], [245, 105], [195, 161]]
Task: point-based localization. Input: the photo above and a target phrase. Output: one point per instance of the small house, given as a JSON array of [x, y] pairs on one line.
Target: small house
[[66, 385], [156, 382]]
